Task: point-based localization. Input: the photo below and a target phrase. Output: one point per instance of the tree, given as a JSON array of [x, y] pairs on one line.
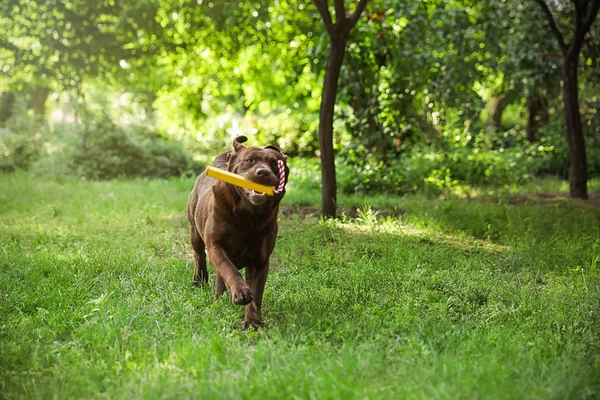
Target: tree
[[411, 73], [247, 57], [585, 14], [55, 45], [338, 36]]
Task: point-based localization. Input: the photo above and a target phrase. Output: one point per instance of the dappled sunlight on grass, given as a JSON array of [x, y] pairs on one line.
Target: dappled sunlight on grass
[[540, 190], [539, 186], [392, 226], [455, 296]]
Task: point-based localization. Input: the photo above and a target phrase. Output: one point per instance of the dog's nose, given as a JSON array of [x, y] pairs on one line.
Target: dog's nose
[[262, 172]]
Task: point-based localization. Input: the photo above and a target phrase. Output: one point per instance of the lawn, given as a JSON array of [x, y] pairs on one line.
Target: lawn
[[495, 297]]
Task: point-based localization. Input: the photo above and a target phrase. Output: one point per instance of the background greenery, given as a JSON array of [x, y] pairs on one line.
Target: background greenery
[[457, 269], [433, 94]]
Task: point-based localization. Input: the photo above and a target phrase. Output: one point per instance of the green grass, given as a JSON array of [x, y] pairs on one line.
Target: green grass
[[447, 299]]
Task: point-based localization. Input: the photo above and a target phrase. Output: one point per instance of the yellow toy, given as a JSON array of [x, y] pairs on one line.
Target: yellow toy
[[239, 180]]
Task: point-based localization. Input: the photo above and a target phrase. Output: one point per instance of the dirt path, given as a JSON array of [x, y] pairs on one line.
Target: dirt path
[[555, 198]]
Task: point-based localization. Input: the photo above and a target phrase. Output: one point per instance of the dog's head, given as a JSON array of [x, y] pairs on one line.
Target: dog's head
[[258, 165]]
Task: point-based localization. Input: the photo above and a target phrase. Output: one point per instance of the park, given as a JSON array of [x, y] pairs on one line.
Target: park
[[437, 198]]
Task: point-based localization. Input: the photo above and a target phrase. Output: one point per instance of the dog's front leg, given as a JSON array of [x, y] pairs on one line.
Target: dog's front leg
[[256, 278], [240, 292], [219, 287]]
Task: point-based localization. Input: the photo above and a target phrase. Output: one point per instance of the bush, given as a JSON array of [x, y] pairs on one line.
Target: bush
[[21, 138], [430, 170], [465, 163], [108, 151]]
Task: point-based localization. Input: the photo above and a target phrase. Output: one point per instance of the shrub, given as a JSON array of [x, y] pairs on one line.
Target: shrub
[[463, 162], [430, 170], [21, 138], [108, 151]]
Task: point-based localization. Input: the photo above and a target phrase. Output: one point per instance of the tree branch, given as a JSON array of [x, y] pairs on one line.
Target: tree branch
[[553, 27], [340, 13], [580, 12], [585, 15], [591, 14], [324, 11], [360, 7], [9, 46]]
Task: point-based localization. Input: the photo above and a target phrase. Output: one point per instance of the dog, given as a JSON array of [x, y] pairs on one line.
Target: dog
[[237, 227]]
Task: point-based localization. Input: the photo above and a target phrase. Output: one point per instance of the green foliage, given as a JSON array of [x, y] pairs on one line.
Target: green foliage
[[57, 44], [426, 169], [108, 151], [296, 134], [22, 138], [429, 171], [451, 299], [591, 119], [412, 99], [243, 58], [411, 66]]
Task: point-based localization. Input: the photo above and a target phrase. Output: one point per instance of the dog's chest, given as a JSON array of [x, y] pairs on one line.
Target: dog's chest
[[247, 250]]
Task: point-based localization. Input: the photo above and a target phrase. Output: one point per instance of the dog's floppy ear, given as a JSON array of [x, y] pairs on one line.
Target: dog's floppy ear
[[230, 156], [237, 143], [277, 149]]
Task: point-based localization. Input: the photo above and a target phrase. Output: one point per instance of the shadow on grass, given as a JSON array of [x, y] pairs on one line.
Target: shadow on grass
[[346, 278]]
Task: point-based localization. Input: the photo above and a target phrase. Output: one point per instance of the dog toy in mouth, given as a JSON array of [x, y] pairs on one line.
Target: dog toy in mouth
[[240, 181]]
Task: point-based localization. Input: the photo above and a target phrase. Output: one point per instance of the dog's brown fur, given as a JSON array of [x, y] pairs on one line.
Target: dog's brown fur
[[237, 229]]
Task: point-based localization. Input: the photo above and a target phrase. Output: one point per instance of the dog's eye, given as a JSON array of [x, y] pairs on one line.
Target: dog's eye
[[250, 161]]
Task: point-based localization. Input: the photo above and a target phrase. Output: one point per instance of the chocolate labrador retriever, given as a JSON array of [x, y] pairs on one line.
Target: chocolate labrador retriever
[[237, 227]]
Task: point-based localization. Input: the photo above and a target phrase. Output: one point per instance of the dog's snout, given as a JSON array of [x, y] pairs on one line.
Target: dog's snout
[[262, 172]]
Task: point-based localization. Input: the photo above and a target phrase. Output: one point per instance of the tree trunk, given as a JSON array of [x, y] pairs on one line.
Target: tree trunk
[[7, 101], [537, 111], [38, 102], [496, 108], [532, 123], [574, 131], [330, 86], [585, 14]]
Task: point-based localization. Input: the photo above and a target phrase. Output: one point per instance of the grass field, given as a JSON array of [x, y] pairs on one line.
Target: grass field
[[491, 298]]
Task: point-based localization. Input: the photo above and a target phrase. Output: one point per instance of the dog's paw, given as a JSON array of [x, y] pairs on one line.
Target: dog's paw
[[241, 295], [253, 323]]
